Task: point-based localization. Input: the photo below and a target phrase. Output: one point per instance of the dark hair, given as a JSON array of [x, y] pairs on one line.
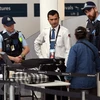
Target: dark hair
[[80, 32], [52, 12]]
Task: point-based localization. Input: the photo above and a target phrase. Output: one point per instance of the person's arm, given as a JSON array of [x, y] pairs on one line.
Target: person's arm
[[38, 43], [0, 55], [15, 59], [67, 43], [1, 39], [71, 63], [25, 48], [11, 58], [25, 51]]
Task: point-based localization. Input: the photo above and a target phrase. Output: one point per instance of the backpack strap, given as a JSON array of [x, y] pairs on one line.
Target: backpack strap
[[89, 48]]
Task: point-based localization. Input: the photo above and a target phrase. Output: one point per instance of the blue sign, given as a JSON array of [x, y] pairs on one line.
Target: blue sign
[[73, 9], [36, 10], [14, 10]]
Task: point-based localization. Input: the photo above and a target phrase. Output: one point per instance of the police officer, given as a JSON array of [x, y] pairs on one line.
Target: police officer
[[93, 23], [12, 42]]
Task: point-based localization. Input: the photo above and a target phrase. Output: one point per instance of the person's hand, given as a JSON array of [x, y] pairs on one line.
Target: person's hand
[[18, 59], [67, 82], [20, 56]]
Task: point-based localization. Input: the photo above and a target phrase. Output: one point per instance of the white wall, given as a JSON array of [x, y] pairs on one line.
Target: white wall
[[30, 24], [72, 24]]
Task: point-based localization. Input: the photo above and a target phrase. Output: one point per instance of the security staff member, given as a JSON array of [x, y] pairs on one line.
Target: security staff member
[[61, 40], [93, 23], [12, 42]]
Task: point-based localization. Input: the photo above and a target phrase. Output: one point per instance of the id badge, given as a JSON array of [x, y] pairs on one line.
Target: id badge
[[52, 53], [12, 48]]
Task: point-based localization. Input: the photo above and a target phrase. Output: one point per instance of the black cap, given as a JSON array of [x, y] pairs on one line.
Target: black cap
[[8, 20], [88, 5]]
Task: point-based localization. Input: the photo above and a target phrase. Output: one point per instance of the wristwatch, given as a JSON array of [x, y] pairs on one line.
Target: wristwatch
[[23, 56]]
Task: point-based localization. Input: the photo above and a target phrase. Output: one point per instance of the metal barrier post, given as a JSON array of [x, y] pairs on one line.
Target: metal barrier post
[[4, 78], [11, 92], [83, 95], [98, 84]]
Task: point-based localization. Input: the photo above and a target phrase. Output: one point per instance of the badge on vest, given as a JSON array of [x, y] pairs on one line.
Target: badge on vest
[[12, 48]]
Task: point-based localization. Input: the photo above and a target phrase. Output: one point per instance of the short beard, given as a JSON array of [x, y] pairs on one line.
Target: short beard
[[92, 18]]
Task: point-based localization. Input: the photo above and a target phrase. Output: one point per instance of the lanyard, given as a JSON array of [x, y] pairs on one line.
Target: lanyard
[[56, 35]]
